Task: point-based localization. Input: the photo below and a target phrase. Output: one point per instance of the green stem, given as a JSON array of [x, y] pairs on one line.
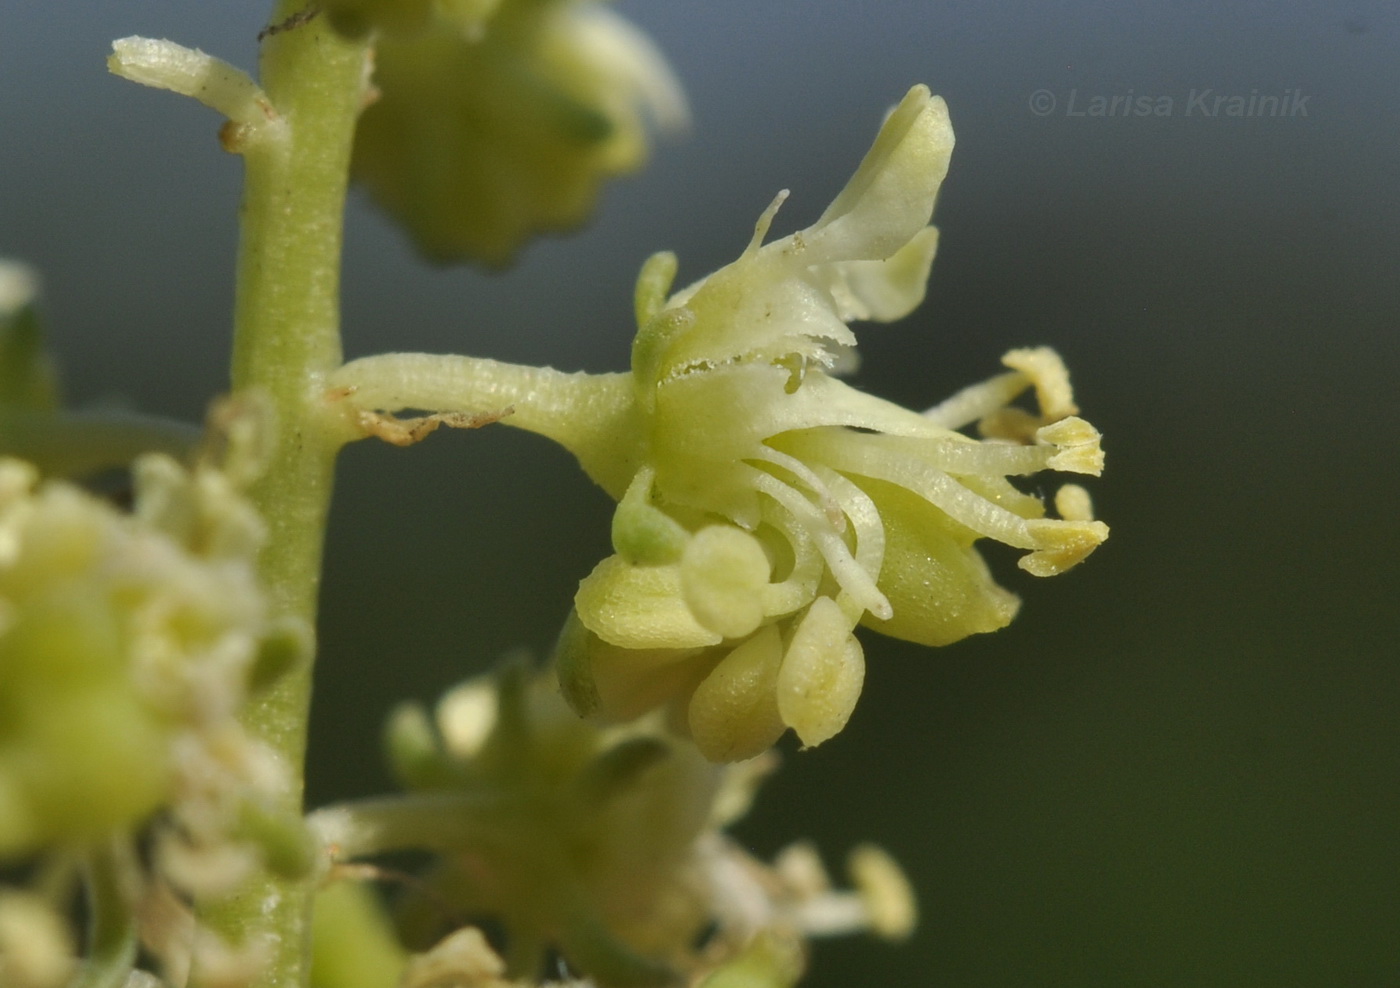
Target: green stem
[[446, 822], [286, 341], [593, 416], [112, 934], [72, 443]]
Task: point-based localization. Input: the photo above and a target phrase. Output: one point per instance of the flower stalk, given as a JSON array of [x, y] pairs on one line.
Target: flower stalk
[[286, 340], [590, 415]]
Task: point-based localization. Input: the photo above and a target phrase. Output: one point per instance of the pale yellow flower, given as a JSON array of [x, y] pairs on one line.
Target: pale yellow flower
[[766, 508], [775, 507]]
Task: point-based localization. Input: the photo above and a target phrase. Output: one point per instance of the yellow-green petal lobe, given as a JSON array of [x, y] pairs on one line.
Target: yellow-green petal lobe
[[938, 585], [723, 573], [639, 607], [884, 290], [822, 674], [733, 714], [891, 195]]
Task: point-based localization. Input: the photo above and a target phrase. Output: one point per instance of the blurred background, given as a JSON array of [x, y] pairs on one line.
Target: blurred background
[[1179, 765]]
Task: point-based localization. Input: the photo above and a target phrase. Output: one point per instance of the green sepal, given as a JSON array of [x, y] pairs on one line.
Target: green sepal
[[572, 661], [641, 532]]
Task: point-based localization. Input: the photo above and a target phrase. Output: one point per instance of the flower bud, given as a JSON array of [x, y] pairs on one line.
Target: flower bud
[[502, 120]]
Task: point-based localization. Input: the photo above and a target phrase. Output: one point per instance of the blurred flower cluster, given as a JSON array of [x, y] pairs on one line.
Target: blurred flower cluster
[[604, 844], [497, 119], [130, 641]]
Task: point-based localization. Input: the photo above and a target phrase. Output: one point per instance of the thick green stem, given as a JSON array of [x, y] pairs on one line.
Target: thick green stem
[[286, 341], [593, 416]]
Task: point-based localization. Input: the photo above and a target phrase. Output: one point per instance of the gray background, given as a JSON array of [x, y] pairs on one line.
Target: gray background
[[1179, 766]]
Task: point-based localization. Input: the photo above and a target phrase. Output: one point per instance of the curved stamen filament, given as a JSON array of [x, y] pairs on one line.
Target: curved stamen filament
[[801, 582], [802, 472], [977, 401], [852, 577], [864, 516]]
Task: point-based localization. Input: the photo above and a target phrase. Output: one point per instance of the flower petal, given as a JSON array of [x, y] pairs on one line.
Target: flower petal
[[733, 714], [890, 197], [723, 573], [884, 290], [821, 675], [639, 607], [938, 585]]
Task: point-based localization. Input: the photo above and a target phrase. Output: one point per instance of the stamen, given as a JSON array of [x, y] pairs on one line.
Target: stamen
[[801, 583], [1076, 445], [802, 472], [852, 577], [1061, 545], [1000, 492], [977, 401], [854, 453], [958, 456], [1074, 504], [1051, 379], [861, 510]]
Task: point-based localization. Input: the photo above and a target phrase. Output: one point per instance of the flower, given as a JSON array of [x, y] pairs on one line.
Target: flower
[[765, 507], [502, 121], [769, 508], [604, 843]]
